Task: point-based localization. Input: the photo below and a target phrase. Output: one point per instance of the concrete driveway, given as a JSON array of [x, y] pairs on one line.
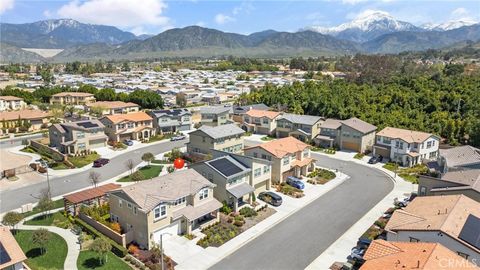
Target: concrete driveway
[[298, 240]]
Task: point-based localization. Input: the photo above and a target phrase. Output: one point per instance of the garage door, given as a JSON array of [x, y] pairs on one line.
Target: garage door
[[173, 229], [262, 186], [351, 146], [97, 143], [381, 151], [287, 174]]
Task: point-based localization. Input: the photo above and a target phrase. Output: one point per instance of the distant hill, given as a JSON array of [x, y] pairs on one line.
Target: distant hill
[[12, 54]]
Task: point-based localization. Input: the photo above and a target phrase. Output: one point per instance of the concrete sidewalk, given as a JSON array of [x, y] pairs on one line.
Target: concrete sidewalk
[[189, 255]]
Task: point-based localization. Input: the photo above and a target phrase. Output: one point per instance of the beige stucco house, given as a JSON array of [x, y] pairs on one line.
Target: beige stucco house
[[132, 126], [113, 107], [12, 103], [75, 137], [357, 135], [216, 115], [176, 203], [72, 98], [35, 119], [227, 138], [260, 121]]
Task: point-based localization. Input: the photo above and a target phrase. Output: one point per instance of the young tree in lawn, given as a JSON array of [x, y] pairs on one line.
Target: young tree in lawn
[[101, 247], [45, 203], [94, 178], [11, 219], [148, 157], [41, 237], [137, 176], [129, 164]]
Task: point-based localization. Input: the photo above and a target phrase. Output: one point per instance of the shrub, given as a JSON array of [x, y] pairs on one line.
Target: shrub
[[248, 212], [359, 156], [225, 208], [117, 249], [238, 223], [116, 227], [133, 249]]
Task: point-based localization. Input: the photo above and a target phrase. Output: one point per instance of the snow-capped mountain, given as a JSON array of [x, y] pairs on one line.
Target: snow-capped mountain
[[450, 25], [366, 27]]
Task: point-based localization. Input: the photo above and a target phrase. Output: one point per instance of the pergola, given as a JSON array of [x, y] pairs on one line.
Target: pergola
[[87, 196]]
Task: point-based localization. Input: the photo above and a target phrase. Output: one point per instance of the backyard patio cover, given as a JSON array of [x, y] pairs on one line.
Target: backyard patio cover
[[91, 193]]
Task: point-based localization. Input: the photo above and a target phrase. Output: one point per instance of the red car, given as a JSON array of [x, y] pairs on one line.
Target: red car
[[100, 162]]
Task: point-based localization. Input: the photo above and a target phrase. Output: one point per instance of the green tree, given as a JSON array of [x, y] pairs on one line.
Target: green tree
[[40, 237], [181, 99], [148, 157], [11, 219], [101, 246], [106, 94], [137, 176], [45, 203]]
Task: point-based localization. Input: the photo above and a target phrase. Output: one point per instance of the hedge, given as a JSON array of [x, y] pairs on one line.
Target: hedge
[[117, 249]]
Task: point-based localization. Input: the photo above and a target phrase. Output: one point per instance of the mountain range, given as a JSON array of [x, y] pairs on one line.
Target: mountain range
[[376, 32]]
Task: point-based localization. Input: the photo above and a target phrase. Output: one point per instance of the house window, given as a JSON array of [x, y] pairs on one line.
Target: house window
[[204, 193], [266, 169], [255, 154], [129, 205], [265, 121], [432, 155], [258, 172], [180, 201], [414, 240], [81, 146], [429, 144], [423, 191], [80, 135], [120, 202], [305, 153], [264, 156], [286, 160], [464, 255], [203, 139], [135, 210], [160, 212]]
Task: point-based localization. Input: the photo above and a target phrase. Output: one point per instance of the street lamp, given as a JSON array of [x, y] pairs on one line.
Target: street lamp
[[161, 247]]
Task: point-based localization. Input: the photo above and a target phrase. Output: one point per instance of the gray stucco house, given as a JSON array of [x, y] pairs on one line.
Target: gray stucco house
[[74, 137], [227, 138], [173, 120]]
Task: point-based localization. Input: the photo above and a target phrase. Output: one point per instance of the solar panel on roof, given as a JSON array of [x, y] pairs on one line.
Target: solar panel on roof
[[471, 231], [87, 124], [225, 166], [4, 257]]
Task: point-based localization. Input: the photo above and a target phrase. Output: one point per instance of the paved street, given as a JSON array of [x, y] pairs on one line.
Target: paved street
[[12, 199], [298, 240]]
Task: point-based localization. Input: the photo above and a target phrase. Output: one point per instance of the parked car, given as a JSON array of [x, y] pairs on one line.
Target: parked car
[[374, 160], [295, 182], [100, 162], [178, 138], [270, 198], [357, 253], [407, 200], [128, 142]]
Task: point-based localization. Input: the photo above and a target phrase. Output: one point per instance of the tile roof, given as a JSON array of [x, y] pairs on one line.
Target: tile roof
[[301, 119], [405, 255], [461, 155], [10, 98], [147, 194], [90, 193], [222, 131], [282, 147], [23, 114], [331, 123], [409, 136], [73, 94], [10, 251], [131, 117], [359, 125], [112, 104], [262, 113]]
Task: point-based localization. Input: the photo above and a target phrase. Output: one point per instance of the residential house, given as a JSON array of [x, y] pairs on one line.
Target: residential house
[[236, 177], [76, 137], [72, 98], [406, 147], [406, 255], [176, 203], [113, 107], [216, 115], [357, 135], [329, 136], [12, 103], [459, 158], [11, 254], [240, 111], [260, 121], [466, 182], [173, 120], [32, 120], [302, 127], [453, 221], [132, 126], [227, 138], [289, 157]]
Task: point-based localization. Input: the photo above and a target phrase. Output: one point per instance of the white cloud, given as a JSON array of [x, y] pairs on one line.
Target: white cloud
[[460, 12], [6, 5], [201, 24], [222, 18], [354, 2], [120, 13], [47, 13], [366, 13]]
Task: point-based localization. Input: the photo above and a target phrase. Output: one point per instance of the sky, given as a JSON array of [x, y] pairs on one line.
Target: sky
[[239, 16]]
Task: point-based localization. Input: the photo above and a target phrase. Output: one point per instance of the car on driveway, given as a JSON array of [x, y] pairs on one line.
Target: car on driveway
[[295, 182], [178, 138], [270, 198], [128, 142], [100, 162], [374, 160]]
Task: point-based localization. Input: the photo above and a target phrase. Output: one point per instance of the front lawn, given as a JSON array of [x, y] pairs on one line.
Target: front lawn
[[79, 162], [89, 260], [147, 172], [54, 256], [160, 137], [267, 138], [56, 204], [408, 174], [53, 219]]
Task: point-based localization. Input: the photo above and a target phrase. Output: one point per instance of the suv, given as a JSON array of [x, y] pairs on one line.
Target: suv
[[100, 162], [295, 182], [376, 159], [271, 198]]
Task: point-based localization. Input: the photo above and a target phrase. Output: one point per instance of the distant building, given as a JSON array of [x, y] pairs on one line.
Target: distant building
[[239, 111], [466, 182], [72, 98], [75, 137], [132, 126], [173, 120], [35, 119], [216, 115], [11, 255], [330, 133], [113, 107], [12, 103]]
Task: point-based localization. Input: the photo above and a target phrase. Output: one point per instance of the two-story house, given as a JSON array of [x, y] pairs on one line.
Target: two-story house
[[289, 157], [302, 127], [260, 121], [215, 115], [357, 135], [75, 137], [466, 182], [406, 147], [31, 119], [453, 221], [132, 126], [72, 98], [113, 107], [11, 103], [227, 138], [176, 203], [329, 136], [236, 177], [173, 120], [240, 111]]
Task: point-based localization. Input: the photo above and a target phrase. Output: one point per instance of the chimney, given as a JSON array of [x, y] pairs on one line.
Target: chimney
[[418, 264]]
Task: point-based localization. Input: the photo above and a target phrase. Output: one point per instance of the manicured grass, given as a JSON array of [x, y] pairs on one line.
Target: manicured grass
[[390, 166], [79, 162], [161, 161], [90, 260], [56, 204], [267, 138], [147, 171], [59, 166], [359, 156], [55, 219], [412, 178], [54, 256], [159, 137]]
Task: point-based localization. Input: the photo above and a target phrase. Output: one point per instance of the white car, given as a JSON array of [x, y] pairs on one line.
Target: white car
[[178, 138]]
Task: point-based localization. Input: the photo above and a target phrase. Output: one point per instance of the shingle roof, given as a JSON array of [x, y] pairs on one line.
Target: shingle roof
[[81, 125], [222, 131], [215, 109], [282, 147], [147, 194], [10, 251], [409, 136], [246, 108], [301, 119], [133, 117], [262, 113], [461, 155], [331, 123], [171, 112], [405, 255], [359, 125], [470, 178]]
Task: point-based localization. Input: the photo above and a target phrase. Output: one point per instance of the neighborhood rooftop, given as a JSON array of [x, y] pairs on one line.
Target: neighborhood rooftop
[[470, 179], [262, 113], [461, 155], [301, 119], [10, 251], [23, 114], [359, 125], [90, 193], [284, 146], [74, 94], [84, 125], [409, 136], [222, 131], [171, 112], [215, 109], [112, 104], [134, 117]]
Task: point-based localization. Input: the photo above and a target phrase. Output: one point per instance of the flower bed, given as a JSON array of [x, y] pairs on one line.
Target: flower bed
[[321, 176], [290, 191]]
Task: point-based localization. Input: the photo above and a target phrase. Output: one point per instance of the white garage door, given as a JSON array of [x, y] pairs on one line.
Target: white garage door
[[173, 229]]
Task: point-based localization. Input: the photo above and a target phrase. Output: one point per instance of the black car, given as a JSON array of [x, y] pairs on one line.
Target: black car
[[271, 198], [100, 162], [376, 159]]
